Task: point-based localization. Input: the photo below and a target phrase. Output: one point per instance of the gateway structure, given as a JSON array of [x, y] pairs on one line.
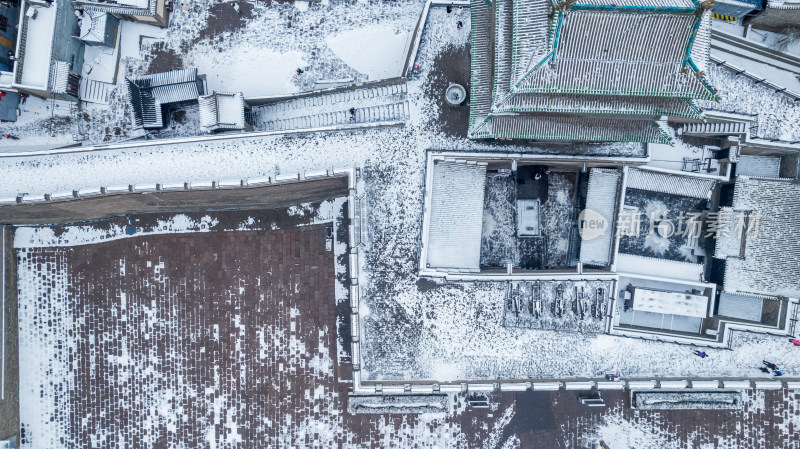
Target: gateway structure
[[586, 70]]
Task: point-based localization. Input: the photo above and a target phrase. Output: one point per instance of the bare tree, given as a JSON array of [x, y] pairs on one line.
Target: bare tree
[[790, 36]]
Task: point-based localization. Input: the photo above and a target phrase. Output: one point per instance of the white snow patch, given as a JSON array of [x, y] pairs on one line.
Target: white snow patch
[[374, 50], [39, 237], [256, 71]]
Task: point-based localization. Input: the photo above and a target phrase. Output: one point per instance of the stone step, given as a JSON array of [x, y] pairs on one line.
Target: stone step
[[372, 114]]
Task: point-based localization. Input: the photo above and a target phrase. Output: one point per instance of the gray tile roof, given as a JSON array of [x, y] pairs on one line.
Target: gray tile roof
[[148, 93], [608, 53], [632, 60], [758, 166], [571, 127], [125, 8], [689, 186], [456, 217], [601, 104], [743, 307], [222, 110], [770, 264], [601, 197]]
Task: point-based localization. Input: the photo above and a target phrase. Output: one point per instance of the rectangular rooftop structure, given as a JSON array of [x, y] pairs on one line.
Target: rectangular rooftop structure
[[528, 218], [676, 303], [601, 198], [690, 186], [38, 46], [456, 215], [147, 93], [222, 111], [744, 307], [765, 258]]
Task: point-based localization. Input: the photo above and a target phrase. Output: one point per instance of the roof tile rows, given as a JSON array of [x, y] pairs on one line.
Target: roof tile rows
[[689, 186], [222, 110], [634, 59], [770, 262], [456, 223], [148, 93], [601, 197]]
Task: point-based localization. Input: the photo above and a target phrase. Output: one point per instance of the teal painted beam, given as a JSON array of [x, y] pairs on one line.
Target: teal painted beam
[[557, 37], [702, 79], [692, 36]]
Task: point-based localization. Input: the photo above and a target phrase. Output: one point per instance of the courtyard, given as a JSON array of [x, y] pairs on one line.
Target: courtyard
[[530, 218]]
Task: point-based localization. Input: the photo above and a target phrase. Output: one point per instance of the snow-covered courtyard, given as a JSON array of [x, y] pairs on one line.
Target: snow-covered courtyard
[[416, 328]]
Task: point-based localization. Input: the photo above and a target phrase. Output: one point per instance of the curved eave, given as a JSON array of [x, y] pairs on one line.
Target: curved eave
[[703, 80], [694, 113]]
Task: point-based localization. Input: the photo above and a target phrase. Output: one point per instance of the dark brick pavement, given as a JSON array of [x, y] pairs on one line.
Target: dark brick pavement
[[227, 339], [184, 337]]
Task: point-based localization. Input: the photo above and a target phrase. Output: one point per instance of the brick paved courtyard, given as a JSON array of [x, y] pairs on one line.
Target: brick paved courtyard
[[188, 338], [227, 339]]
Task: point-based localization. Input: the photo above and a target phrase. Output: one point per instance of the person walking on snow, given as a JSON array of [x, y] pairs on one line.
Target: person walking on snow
[[700, 354], [236, 7], [449, 8], [459, 25], [771, 365], [352, 114]]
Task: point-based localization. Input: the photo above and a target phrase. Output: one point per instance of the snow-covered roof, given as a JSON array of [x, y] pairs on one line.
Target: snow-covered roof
[[728, 244], [691, 186], [121, 7], [667, 302], [661, 268], [755, 4], [770, 262], [635, 58], [601, 197], [736, 8], [609, 53], [37, 46], [222, 110], [743, 307], [528, 217], [93, 26], [783, 4], [601, 104], [60, 76], [456, 216], [759, 166], [148, 92], [726, 128], [571, 127]]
